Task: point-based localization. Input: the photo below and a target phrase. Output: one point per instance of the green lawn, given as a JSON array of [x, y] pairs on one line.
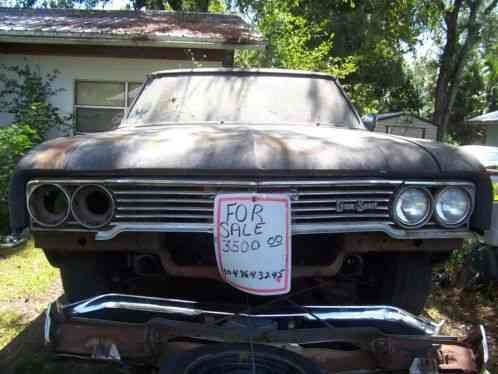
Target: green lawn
[[29, 284]]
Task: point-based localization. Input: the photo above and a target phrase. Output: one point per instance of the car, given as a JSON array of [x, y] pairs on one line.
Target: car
[[211, 165], [487, 155], [482, 262]]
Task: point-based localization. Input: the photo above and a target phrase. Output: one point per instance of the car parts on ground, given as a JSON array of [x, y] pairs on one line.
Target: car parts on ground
[[168, 332]]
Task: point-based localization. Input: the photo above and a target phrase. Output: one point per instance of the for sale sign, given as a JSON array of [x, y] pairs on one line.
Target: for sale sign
[[253, 242]]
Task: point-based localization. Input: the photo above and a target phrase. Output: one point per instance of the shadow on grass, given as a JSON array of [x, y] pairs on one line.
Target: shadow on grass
[[6, 252]]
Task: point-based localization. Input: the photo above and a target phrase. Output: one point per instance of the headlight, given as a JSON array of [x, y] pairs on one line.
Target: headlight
[[453, 206], [412, 207], [48, 205]]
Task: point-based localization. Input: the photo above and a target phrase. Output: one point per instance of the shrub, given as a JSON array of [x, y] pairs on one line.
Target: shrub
[[15, 141], [25, 93]]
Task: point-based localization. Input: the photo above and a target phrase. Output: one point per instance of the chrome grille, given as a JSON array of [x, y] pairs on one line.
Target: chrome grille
[[318, 205], [311, 202]]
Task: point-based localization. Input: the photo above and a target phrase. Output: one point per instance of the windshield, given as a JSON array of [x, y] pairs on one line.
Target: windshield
[[241, 98]]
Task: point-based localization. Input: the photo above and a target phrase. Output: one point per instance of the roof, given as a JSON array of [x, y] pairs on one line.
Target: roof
[[490, 118], [385, 116], [262, 71], [123, 27]]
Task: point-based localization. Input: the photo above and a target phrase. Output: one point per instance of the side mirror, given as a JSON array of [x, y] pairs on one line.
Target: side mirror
[[370, 121]]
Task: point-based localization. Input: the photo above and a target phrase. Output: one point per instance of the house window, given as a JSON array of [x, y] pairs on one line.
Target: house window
[[100, 106]]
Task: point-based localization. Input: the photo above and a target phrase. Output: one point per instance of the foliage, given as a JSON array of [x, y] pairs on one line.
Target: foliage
[[295, 43], [356, 41], [367, 44], [459, 27], [15, 141], [25, 93], [470, 100]]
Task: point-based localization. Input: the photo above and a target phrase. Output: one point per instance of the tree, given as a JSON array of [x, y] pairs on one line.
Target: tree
[[361, 42], [470, 100], [461, 23], [177, 5]]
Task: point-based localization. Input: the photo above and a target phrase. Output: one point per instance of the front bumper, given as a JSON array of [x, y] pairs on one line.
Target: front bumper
[[119, 327]]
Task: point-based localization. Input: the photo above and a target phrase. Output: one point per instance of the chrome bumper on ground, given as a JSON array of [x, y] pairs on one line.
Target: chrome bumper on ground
[[120, 327]]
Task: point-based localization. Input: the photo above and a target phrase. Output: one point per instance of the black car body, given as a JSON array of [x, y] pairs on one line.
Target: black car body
[[139, 199]]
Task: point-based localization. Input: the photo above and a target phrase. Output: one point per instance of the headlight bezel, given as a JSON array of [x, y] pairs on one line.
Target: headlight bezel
[[36, 219], [428, 214], [76, 212], [465, 217]]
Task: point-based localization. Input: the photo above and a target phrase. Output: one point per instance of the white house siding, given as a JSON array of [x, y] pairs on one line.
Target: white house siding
[[407, 126], [90, 68]]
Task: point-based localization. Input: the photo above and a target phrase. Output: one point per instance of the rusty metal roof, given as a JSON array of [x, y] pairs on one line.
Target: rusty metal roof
[[122, 27]]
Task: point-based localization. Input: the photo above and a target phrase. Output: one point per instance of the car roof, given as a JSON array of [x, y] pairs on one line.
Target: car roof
[[239, 71]]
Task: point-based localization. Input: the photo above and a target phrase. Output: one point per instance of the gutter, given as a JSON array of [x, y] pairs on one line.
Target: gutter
[[124, 40]]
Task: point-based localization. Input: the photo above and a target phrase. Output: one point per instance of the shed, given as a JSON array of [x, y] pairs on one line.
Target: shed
[[406, 124], [102, 57], [490, 122]]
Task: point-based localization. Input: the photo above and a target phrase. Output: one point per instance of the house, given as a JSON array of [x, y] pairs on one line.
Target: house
[[102, 57], [490, 123], [406, 124]]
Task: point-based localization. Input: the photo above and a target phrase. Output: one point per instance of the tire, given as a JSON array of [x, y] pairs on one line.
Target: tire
[[401, 280], [83, 277], [238, 358]]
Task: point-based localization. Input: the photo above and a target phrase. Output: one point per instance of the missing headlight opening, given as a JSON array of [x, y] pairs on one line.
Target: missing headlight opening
[[48, 204], [92, 206]]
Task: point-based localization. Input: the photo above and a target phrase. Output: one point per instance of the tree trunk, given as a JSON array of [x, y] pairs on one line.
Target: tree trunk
[[447, 62], [454, 57], [202, 6]]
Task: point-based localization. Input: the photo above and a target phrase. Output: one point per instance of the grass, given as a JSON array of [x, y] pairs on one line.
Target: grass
[[29, 283], [11, 325], [25, 275]]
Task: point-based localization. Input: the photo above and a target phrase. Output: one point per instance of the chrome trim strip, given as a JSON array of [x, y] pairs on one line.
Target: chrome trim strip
[[223, 183], [440, 183], [47, 325], [328, 201], [158, 227], [244, 183], [188, 308], [178, 216], [485, 347], [297, 229], [164, 208]]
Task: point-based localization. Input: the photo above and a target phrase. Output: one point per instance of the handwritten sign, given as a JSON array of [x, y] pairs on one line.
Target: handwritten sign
[[252, 242]]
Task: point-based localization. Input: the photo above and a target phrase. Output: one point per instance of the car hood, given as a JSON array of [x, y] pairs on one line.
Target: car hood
[[243, 148]]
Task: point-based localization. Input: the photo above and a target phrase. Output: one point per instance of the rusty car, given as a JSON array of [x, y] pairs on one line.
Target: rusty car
[[129, 218]]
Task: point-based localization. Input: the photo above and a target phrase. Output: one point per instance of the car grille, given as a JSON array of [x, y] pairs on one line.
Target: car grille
[[311, 201], [317, 205]]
